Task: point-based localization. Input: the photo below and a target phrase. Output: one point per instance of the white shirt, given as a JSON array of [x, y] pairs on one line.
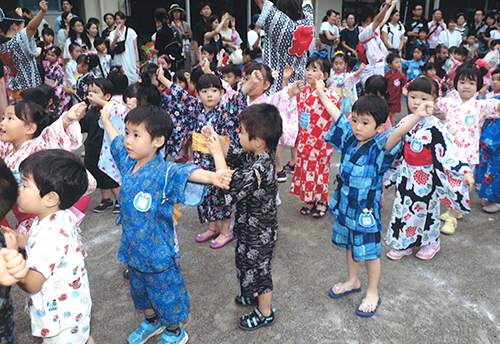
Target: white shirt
[[394, 34], [127, 59], [325, 26], [450, 39], [252, 36]]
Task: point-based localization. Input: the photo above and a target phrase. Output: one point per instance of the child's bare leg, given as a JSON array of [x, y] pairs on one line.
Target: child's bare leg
[[393, 118], [293, 157], [224, 230], [453, 213], [279, 158], [265, 301], [353, 281], [106, 193], [116, 192], [90, 341], [373, 268], [213, 229]]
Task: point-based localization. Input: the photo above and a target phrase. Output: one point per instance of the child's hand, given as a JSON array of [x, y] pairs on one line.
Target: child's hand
[[405, 90], [105, 115], [44, 6], [188, 77], [362, 67], [10, 236], [256, 77], [469, 181], [223, 178], [297, 87], [76, 112], [160, 73], [426, 109], [205, 65], [208, 132], [320, 86], [95, 99], [66, 89], [16, 265], [287, 72], [19, 11], [214, 144]]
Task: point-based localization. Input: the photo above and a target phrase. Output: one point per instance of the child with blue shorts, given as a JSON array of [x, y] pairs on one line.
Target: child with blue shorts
[[367, 152], [150, 189]]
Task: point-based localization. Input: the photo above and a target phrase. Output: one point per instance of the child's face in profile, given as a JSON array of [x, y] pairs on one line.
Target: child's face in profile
[[98, 93], [82, 68], [206, 55], [417, 54], [396, 64], [29, 200], [415, 98], [364, 127], [245, 142], [230, 78], [139, 144], [52, 57], [495, 82], [313, 73], [131, 103], [466, 88], [12, 129], [210, 97], [77, 51]]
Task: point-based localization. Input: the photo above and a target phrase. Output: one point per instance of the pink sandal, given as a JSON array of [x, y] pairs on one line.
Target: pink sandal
[[215, 245], [202, 238]]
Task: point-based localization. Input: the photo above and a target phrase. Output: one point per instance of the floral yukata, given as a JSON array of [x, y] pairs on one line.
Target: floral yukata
[[344, 84], [189, 117], [54, 77], [429, 170], [254, 189], [312, 171]]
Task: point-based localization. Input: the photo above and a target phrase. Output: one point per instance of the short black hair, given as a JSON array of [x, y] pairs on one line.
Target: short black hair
[[374, 106], [462, 51], [209, 48], [263, 121], [468, 71], [179, 75], [119, 81], [145, 92], [108, 14], [196, 73], [423, 29], [494, 42], [48, 31], [59, 171], [41, 95], [56, 50], [203, 4], [98, 41], [207, 81], [391, 57], [72, 46], [105, 85], [8, 189], [254, 53], [231, 68], [31, 113], [425, 85], [156, 120], [496, 71], [428, 66], [422, 49], [377, 85], [323, 64], [267, 74]]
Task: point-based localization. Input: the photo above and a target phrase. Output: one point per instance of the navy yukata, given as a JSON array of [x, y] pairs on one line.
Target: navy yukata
[[147, 200], [356, 202]]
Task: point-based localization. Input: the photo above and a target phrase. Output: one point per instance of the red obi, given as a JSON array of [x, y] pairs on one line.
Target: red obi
[[423, 158]]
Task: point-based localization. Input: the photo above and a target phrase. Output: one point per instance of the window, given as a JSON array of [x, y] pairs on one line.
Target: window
[[33, 5]]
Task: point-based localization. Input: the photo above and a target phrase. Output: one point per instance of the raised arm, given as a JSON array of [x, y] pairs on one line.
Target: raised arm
[[331, 108], [382, 17], [37, 20], [160, 75], [260, 3], [210, 34]]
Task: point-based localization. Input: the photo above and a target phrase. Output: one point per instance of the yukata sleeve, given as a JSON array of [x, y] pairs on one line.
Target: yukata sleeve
[[178, 188], [289, 113], [47, 251], [441, 106], [70, 76], [234, 158], [244, 182], [489, 108], [26, 44], [231, 111], [387, 157], [55, 137], [340, 132], [119, 153], [267, 19]]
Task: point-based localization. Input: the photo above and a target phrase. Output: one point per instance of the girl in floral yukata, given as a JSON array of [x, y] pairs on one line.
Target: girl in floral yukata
[[190, 115], [312, 171], [464, 119], [54, 76], [428, 170]]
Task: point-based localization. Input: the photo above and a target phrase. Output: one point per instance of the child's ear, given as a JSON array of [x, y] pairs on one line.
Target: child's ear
[[159, 141], [107, 96], [222, 91], [267, 85], [51, 199], [381, 128], [30, 129], [326, 75]]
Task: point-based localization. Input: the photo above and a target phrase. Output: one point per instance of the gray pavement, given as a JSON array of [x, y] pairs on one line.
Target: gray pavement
[[453, 298]]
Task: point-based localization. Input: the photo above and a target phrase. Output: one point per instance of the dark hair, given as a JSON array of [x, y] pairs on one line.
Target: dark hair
[[203, 4], [59, 171], [91, 60], [479, 9], [72, 46], [40, 95], [157, 121], [262, 67], [31, 113], [292, 8], [496, 71], [461, 14], [98, 41], [428, 66], [209, 48], [56, 50], [468, 71], [119, 81], [415, 6], [145, 92], [68, 1], [494, 42], [150, 69], [196, 73], [323, 64], [367, 11], [160, 15], [72, 32], [207, 81], [462, 51], [422, 48], [8, 189], [328, 14], [7, 23], [105, 85], [377, 85], [471, 34], [423, 29], [372, 105], [48, 31], [254, 53], [263, 121], [63, 17], [425, 85], [391, 57], [179, 75], [208, 25], [108, 14], [452, 50], [342, 55], [92, 20], [437, 9], [120, 14]]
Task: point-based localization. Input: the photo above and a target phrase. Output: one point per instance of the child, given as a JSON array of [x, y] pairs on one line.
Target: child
[[471, 47], [457, 57], [232, 75], [100, 92], [190, 115], [72, 73], [412, 67], [344, 83], [105, 60], [86, 65], [18, 49], [429, 170], [493, 57], [120, 83], [367, 152], [150, 188], [12, 264], [429, 70], [488, 169], [253, 189], [43, 46], [396, 81], [54, 77], [59, 301], [312, 171], [464, 118], [208, 51], [421, 40], [252, 54]]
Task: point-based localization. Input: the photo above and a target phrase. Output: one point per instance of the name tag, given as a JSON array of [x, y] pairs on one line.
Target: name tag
[[142, 202], [366, 219], [416, 146]]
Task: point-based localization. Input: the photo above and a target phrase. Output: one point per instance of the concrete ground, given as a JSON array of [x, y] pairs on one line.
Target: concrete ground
[[453, 298]]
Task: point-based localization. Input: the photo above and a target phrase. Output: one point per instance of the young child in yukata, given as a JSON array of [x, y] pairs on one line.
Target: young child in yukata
[[86, 65], [488, 169], [395, 81], [59, 302], [412, 67], [150, 188], [312, 171], [367, 152], [428, 171], [12, 264], [54, 77], [190, 115], [253, 189], [464, 119], [71, 69]]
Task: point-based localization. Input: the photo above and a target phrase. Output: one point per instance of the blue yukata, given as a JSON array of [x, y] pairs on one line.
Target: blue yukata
[[412, 68], [147, 200], [356, 202], [189, 117]]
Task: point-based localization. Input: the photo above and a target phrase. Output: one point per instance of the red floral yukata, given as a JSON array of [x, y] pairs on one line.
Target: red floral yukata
[[312, 172]]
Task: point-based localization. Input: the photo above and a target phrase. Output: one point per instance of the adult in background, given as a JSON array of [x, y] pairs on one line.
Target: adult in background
[[231, 37], [349, 36], [77, 34], [176, 14], [462, 26], [66, 7], [478, 29], [393, 32], [329, 34], [128, 59], [450, 37], [109, 19], [199, 28], [436, 26], [168, 41], [63, 34], [414, 25], [255, 35], [93, 32], [290, 31]]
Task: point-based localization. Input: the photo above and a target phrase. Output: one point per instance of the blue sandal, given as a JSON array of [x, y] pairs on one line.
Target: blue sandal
[[368, 314], [256, 319], [246, 301], [346, 291]]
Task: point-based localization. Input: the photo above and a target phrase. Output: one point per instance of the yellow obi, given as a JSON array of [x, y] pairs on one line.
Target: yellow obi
[[200, 143]]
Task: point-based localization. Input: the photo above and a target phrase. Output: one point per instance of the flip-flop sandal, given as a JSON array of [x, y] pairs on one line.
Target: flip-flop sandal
[[305, 210], [369, 314], [319, 213], [346, 291]]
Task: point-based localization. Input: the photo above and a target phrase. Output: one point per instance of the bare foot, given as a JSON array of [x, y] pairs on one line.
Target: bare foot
[[222, 238], [341, 288], [370, 303]]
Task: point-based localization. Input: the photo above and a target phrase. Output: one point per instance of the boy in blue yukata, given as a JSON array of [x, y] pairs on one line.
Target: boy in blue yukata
[[367, 152], [150, 189]]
